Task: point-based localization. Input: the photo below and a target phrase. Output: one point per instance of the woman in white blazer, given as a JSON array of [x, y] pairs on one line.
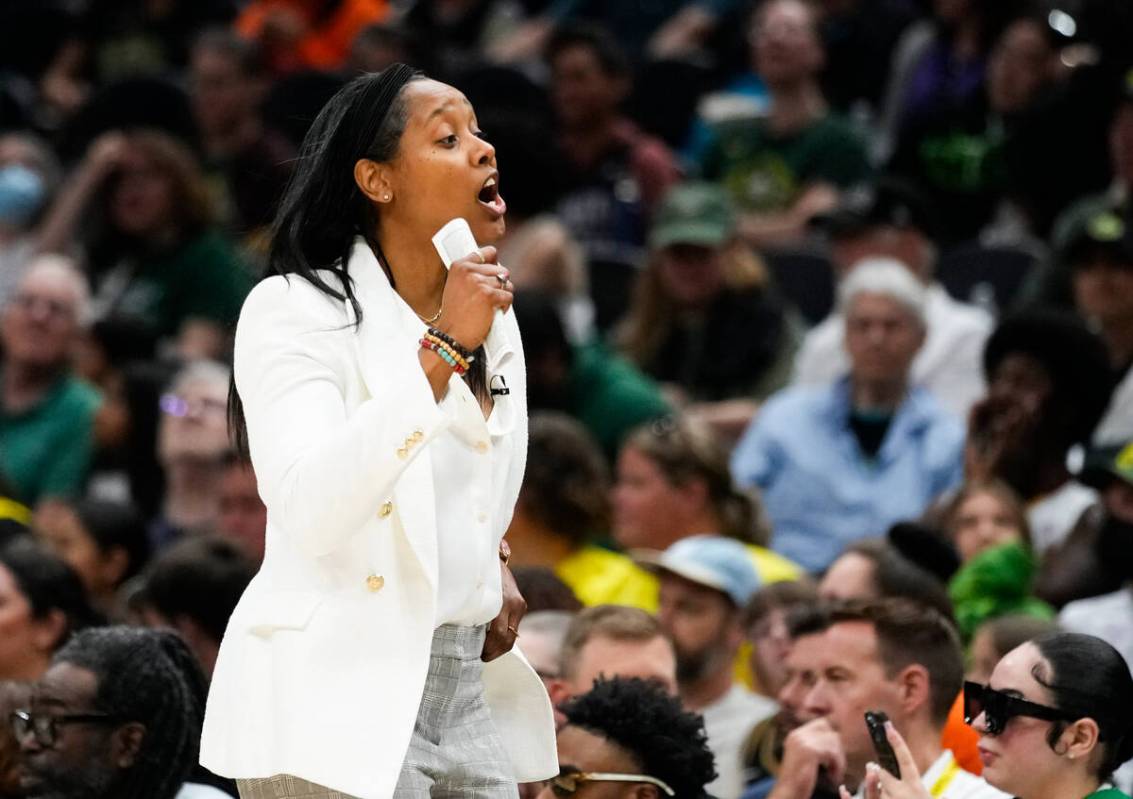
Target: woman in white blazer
[[372, 654]]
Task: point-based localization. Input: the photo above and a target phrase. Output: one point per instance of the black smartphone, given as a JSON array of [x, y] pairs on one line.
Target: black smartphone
[[875, 723]]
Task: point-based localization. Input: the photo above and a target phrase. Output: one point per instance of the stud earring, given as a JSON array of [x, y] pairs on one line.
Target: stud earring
[[385, 197]]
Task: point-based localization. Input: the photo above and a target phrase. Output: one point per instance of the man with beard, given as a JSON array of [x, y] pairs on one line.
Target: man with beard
[[706, 581], [117, 716]]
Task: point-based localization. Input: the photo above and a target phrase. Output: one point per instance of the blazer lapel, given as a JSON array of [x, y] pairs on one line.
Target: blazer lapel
[[387, 359]]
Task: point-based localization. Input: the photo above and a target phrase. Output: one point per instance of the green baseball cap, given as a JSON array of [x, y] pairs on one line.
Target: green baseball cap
[[1106, 228], [693, 213], [1106, 464]]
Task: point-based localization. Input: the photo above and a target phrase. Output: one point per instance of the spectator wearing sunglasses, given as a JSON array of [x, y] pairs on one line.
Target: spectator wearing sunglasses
[[629, 737], [1053, 721], [192, 444], [894, 656]]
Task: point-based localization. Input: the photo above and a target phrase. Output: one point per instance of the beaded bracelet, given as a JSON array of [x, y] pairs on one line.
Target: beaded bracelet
[[456, 345], [456, 356], [443, 355]]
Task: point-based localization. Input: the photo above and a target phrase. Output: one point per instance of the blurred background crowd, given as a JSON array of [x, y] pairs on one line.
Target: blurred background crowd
[[819, 298]]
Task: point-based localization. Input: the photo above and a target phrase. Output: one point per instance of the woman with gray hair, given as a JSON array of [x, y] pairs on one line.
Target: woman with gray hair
[[845, 460]]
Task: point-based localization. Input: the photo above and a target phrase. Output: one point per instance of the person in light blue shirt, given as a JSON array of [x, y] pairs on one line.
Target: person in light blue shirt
[[844, 461]]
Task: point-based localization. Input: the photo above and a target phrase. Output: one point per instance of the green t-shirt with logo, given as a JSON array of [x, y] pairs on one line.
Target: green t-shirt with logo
[[46, 450], [202, 279], [766, 172]]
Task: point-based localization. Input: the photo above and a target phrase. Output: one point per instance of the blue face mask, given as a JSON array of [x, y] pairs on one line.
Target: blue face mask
[[22, 192]]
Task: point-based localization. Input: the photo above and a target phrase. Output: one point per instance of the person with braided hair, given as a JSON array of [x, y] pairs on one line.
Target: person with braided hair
[[116, 716]]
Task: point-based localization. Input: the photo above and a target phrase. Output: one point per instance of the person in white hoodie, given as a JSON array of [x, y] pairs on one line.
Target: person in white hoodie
[[892, 220]]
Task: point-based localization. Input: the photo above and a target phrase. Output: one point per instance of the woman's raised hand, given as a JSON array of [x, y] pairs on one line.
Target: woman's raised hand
[[880, 784], [475, 288]]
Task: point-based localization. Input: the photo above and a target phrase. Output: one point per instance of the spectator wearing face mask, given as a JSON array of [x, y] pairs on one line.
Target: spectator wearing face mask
[[29, 174]]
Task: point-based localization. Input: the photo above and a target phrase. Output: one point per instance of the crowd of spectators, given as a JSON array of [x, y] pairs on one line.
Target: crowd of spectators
[[827, 309]]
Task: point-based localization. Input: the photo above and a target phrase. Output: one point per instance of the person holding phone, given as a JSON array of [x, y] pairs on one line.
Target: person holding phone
[[1054, 719], [372, 655], [892, 656]]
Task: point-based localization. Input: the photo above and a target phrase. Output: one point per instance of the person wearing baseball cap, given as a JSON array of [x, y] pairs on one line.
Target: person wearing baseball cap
[[1051, 286], [1098, 251], [706, 581], [704, 319]]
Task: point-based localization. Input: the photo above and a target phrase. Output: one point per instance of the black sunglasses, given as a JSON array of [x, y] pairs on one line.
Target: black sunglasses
[[998, 708]]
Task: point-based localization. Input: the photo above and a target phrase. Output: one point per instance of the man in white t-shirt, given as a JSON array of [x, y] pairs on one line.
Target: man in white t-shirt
[[706, 581], [893, 221], [895, 656]]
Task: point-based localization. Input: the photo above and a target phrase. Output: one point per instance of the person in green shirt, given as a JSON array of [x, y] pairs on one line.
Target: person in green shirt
[[159, 265], [46, 414], [789, 165], [599, 388]]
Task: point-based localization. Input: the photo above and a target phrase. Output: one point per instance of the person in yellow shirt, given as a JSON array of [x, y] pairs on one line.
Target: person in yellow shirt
[[563, 505], [673, 482]]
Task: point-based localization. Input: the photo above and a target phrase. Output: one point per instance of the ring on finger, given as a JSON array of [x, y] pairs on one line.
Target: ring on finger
[[502, 277], [480, 255], [513, 631]]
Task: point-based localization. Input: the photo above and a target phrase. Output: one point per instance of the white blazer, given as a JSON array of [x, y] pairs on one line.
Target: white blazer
[[323, 664]]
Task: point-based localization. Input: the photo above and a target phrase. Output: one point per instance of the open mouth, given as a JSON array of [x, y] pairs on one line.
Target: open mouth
[[489, 196]]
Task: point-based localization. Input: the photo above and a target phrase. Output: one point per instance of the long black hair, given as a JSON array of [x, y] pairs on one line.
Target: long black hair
[[1088, 678], [323, 209]]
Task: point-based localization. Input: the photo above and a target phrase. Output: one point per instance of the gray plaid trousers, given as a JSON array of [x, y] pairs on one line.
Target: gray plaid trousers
[[455, 751]]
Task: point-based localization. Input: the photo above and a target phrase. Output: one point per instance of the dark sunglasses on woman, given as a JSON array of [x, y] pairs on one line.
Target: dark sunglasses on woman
[[999, 708]]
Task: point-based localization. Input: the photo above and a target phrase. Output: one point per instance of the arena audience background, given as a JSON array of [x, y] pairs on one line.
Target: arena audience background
[[843, 288]]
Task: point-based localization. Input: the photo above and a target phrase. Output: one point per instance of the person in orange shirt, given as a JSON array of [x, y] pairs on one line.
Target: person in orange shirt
[[307, 34]]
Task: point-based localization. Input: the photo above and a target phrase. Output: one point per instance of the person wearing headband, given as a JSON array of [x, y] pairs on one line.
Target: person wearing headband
[[373, 654], [1055, 721]]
